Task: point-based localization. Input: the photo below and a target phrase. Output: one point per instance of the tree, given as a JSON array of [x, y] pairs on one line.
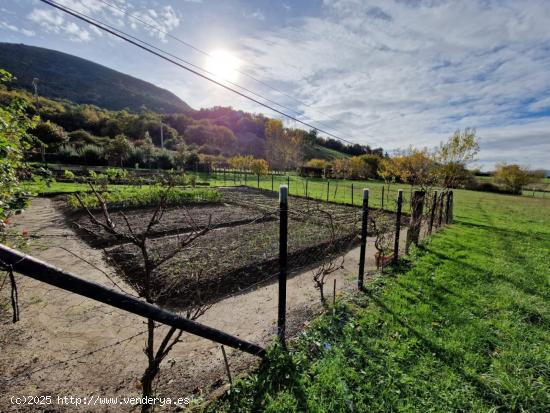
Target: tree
[[14, 138], [80, 137], [372, 162], [387, 169], [151, 287], [341, 167], [259, 167], [415, 167], [118, 150], [454, 155], [283, 146], [358, 168], [317, 163], [50, 134], [241, 162], [514, 177]]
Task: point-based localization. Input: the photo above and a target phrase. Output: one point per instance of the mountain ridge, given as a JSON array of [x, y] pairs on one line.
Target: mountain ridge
[[84, 81]]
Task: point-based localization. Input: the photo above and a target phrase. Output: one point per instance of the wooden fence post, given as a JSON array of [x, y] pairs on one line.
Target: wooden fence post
[[417, 208], [272, 187], [364, 230], [328, 188], [352, 193], [440, 215], [451, 211], [383, 196], [283, 250], [258, 180], [306, 187], [397, 225], [448, 208], [432, 213]]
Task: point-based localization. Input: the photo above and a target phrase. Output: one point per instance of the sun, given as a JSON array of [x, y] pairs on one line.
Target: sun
[[223, 65]]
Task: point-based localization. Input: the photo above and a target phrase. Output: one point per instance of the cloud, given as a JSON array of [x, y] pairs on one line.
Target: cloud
[[158, 22], [395, 73], [155, 22], [11, 27], [53, 21], [257, 15]]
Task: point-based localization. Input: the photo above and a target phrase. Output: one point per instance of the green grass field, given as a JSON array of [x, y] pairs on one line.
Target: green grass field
[[464, 327]]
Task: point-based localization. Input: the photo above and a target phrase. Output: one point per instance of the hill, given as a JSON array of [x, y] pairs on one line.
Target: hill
[[83, 81]]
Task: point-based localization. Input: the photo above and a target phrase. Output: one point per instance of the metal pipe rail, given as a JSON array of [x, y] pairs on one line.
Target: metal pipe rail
[[44, 272]]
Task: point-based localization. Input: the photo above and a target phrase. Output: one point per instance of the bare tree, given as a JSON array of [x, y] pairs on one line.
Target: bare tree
[[330, 261], [149, 285], [381, 228]]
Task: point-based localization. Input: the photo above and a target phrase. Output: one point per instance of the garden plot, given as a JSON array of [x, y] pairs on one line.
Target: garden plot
[[174, 220], [241, 248]]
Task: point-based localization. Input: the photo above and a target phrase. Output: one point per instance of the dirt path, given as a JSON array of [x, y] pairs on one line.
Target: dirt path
[[67, 345]]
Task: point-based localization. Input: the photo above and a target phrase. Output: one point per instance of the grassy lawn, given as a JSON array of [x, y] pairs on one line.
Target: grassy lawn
[[463, 327], [339, 190]]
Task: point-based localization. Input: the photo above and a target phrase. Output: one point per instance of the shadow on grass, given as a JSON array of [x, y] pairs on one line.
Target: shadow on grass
[[452, 359]]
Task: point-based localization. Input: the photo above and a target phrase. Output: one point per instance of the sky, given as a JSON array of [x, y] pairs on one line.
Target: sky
[[390, 73]]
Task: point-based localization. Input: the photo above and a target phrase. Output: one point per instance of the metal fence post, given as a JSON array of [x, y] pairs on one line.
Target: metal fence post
[[364, 229], [397, 225], [283, 249], [288, 183], [432, 213]]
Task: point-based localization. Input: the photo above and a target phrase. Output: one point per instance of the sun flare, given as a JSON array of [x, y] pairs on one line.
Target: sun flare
[[223, 65]]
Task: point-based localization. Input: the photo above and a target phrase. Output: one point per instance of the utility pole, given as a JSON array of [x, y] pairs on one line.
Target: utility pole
[[35, 86], [161, 135]]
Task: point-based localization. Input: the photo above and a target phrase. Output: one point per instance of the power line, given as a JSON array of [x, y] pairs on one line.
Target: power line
[[161, 54], [199, 68], [158, 28]]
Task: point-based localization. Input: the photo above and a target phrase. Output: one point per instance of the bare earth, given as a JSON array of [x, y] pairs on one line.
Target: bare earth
[[67, 345]]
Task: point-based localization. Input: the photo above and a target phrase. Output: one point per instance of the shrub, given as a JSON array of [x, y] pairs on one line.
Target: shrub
[[80, 138], [92, 155], [67, 154], [68, 175], [136, 157], [164, 160]]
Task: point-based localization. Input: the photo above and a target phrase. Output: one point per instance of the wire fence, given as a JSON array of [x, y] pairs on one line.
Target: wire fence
[[231, 270]]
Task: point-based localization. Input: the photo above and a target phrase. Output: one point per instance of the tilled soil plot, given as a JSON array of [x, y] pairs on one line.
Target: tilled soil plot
[[173, 220], [239, 251]]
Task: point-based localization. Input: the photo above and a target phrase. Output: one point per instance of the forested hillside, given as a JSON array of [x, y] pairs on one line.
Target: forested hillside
[[63, 76]]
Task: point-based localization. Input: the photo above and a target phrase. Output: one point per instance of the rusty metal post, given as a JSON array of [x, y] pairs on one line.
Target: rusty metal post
[[364, 230], [283, 251], [397, 225]]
